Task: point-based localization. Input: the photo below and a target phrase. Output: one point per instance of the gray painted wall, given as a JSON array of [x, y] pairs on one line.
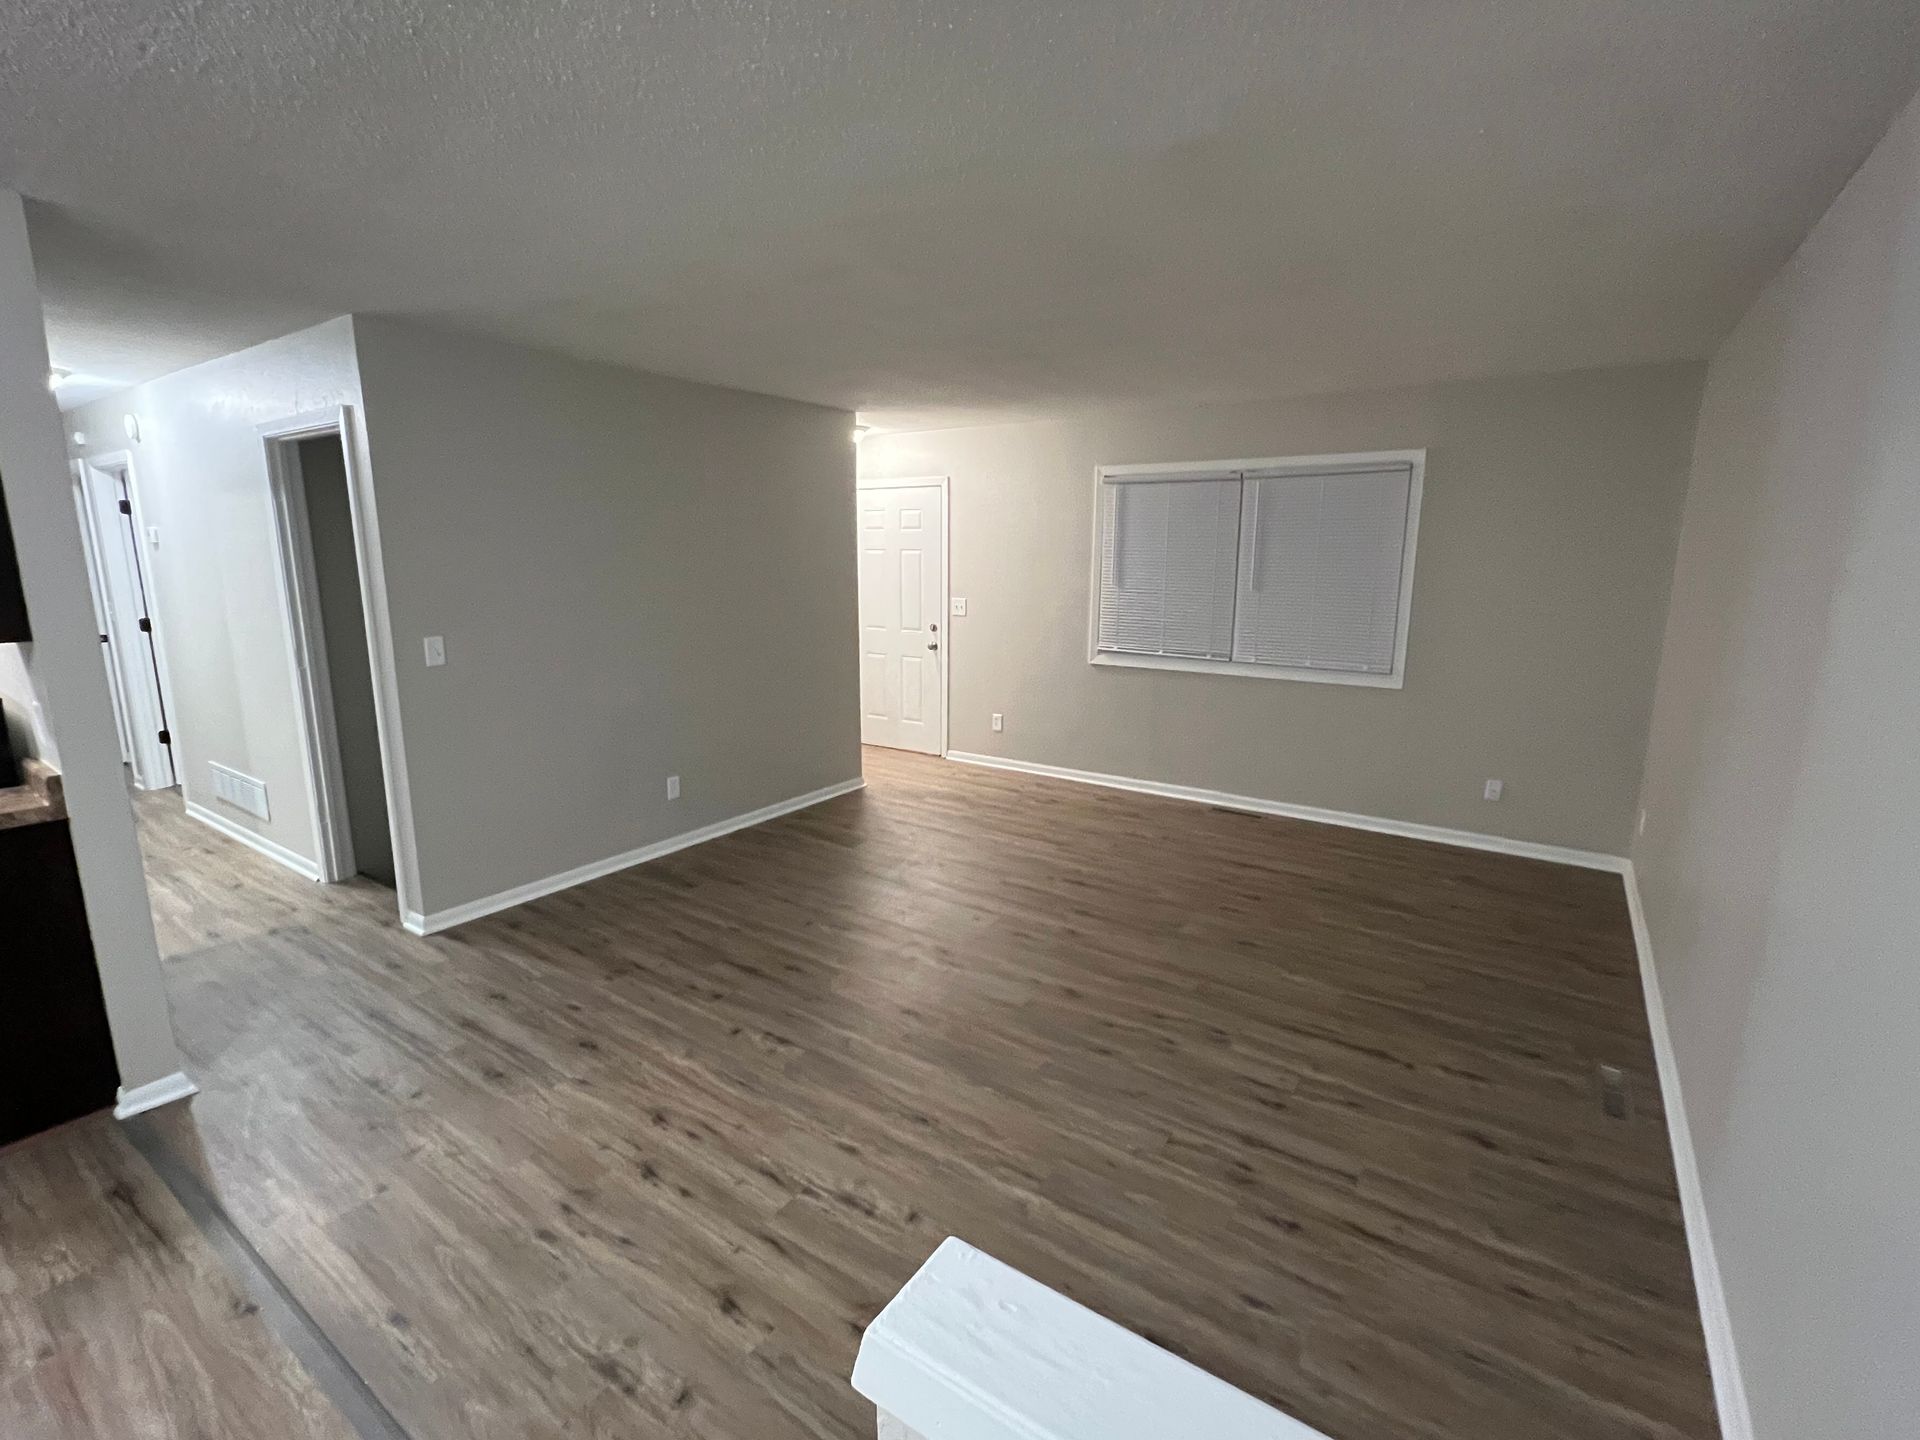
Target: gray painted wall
[[635, 577], [201, 476], [69, 676], [1781, 863], [1546, 541]]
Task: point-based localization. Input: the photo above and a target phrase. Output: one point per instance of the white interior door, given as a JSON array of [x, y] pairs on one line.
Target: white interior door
[[128, 626], [903, 602]]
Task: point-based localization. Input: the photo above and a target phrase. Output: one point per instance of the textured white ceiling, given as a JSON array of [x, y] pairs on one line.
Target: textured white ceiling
[[943, 211]]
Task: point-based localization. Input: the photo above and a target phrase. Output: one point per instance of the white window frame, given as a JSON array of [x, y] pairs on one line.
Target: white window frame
[[1269, 466]]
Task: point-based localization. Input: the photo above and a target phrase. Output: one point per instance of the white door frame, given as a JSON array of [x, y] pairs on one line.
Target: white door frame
[[96, 587], [918, 482], [117, 466], [306, 647]]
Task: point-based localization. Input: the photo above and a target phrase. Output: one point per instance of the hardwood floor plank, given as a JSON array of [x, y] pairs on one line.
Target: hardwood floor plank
[[117, 1316], [1314, 1108]]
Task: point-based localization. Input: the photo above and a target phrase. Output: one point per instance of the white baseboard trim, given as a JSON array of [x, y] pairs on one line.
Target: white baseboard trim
[[299, 864], [153, 1094], [438, 920], [1729, 1390], [1439, 835]]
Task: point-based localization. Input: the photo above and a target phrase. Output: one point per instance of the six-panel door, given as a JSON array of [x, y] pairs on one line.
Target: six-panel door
[[902, 617]]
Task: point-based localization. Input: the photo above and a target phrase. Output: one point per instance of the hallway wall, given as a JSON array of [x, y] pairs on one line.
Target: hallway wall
[[634, 576], [1781, 858], [200, 474]]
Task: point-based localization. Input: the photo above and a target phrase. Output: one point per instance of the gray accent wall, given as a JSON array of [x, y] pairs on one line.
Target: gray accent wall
[[1547, 534], [636, 577], [1780, 868]]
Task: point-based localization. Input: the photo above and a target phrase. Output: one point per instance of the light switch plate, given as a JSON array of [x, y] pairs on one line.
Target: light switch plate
[[673, 787], [999, 721], [436, 646], [959, 604], [1495, 789]]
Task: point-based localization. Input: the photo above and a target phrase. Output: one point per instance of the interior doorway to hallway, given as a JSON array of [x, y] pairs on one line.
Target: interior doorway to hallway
[[119, 574], [322, 577]]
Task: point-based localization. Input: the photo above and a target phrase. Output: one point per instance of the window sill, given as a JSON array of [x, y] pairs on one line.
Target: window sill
[[1394, 681]]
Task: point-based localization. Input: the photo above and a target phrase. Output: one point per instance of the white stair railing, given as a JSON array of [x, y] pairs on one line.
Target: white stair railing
[[971, 1349]]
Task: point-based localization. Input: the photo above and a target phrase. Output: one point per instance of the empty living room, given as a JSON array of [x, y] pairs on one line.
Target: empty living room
[[960, 722]]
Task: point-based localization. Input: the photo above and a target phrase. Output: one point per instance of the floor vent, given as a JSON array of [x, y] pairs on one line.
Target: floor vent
[[1616, 1094], [243, 792]]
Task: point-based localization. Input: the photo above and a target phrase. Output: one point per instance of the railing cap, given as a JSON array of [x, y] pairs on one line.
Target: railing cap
[[971, 1349]]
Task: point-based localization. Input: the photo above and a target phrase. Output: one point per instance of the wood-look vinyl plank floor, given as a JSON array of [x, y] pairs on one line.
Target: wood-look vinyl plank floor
[[1314, 1108], [117, 1318]]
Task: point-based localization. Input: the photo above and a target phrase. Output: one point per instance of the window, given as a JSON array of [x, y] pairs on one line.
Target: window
[[1288, 569]]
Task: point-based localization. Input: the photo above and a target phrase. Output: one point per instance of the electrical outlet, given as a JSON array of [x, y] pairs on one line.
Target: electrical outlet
[[673, 787], [1495, 789], [999, 721], [436, 648]]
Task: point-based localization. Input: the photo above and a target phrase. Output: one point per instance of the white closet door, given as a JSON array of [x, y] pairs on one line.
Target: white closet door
[[903, 605]]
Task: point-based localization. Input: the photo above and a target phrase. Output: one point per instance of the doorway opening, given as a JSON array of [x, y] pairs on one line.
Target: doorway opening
[[324, 574], [119, 574], [905, 643]]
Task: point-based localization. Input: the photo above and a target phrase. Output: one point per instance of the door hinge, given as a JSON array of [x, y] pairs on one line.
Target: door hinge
[[106, 640], [146, 626], [126, 507], [166, 737]]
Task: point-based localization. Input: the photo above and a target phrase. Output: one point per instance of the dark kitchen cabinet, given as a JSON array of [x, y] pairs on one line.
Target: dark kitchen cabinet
[[57, 1062]]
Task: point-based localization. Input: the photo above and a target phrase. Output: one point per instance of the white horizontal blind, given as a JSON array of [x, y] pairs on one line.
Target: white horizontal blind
[[1320, 569], [1167, 565]]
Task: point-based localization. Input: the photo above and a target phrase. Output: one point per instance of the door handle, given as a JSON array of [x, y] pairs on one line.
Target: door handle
[[933, 645]]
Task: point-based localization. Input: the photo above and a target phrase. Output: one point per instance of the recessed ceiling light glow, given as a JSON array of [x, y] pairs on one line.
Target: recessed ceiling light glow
[[57, 377]]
